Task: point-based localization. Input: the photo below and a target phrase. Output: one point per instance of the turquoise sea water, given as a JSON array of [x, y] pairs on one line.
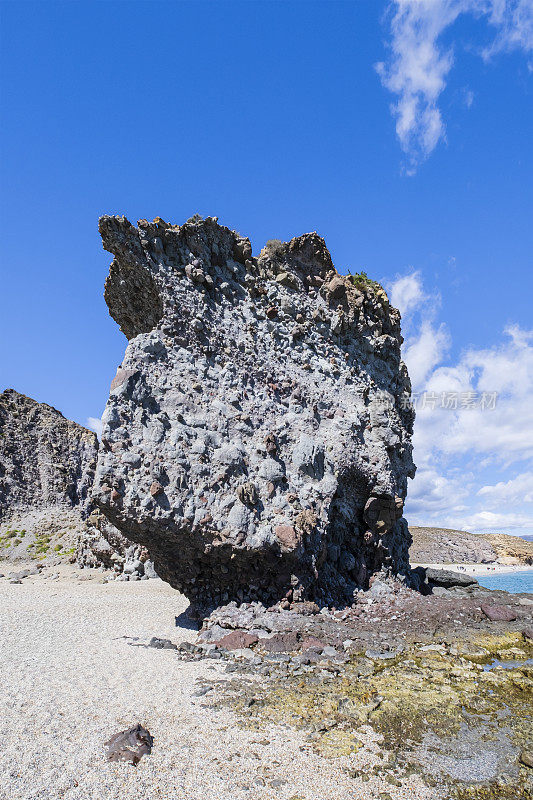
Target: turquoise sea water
[[509, 581]]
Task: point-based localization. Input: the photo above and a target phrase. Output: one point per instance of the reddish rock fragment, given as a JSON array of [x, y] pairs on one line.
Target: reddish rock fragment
[[498, 613], [237, 640], [336, 288], [156, 489], [288, 538], [312, 643], [306, 608], [281, 642], [527, 633], [121, 377]]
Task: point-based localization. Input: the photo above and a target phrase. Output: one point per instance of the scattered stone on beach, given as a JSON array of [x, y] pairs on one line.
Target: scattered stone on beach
[[129, 745], [438, 711], [498, 613], [424, 672], [162, 644], [526, 757], [256, 438]]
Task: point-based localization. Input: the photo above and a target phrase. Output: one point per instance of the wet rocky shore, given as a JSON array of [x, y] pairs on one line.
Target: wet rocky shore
[[443, 680]]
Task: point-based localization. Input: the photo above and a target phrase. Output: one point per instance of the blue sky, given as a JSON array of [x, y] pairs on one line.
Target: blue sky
[[401, 131]]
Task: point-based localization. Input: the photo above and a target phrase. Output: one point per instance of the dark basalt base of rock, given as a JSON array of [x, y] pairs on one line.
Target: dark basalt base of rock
[[257, 437]]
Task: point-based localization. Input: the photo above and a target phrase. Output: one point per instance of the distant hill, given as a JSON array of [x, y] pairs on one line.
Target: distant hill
[[444, 545], [511, 547]]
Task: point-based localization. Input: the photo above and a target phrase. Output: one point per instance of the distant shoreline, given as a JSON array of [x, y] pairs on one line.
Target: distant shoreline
[[479, 569]]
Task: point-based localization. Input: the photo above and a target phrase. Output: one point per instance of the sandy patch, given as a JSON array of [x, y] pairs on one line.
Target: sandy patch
[[70, 680]]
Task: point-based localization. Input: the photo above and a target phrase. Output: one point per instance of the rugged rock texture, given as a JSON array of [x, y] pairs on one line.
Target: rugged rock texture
[[47, 466], [510, 549], [101, 544], [257, 434], [45, 459], [446, 546]]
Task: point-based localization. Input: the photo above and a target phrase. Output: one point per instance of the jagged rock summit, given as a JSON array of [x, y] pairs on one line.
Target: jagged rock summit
[[257, 436]]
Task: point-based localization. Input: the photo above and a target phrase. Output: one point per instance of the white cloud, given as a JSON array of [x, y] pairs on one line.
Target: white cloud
[[514, 20], [469, 98], [406, 293], [516, 490], [434, 494], [419, 64], [506, 432], [461, 452], [427, 348], [424, 353], [488, 521], [95, 425], [417, 73]]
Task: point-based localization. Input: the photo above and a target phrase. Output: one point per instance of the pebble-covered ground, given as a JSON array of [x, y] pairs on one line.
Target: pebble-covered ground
[[74, 673]]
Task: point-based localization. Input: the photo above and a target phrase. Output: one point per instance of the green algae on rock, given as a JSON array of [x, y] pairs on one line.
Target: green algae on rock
[[440, 710]]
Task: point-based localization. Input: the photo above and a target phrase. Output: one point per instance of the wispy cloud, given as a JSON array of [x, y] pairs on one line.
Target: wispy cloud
[[514, 21], [468, 98], [95, 425], [416, 72], [419, 63]]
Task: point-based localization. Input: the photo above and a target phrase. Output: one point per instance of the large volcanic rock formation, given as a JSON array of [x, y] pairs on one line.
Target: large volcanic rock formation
[[257, 437]]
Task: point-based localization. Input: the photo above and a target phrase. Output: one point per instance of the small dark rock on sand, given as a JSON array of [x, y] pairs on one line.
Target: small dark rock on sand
[[130, 745], [162, 644]]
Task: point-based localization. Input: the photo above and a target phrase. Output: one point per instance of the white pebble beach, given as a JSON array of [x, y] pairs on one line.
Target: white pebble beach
[[70, 680]]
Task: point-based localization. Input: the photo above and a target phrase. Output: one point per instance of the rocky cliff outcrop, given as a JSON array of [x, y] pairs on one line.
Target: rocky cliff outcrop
[[446, 546], [47, 466], [257, 437], [510, 549], [45, 459]]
